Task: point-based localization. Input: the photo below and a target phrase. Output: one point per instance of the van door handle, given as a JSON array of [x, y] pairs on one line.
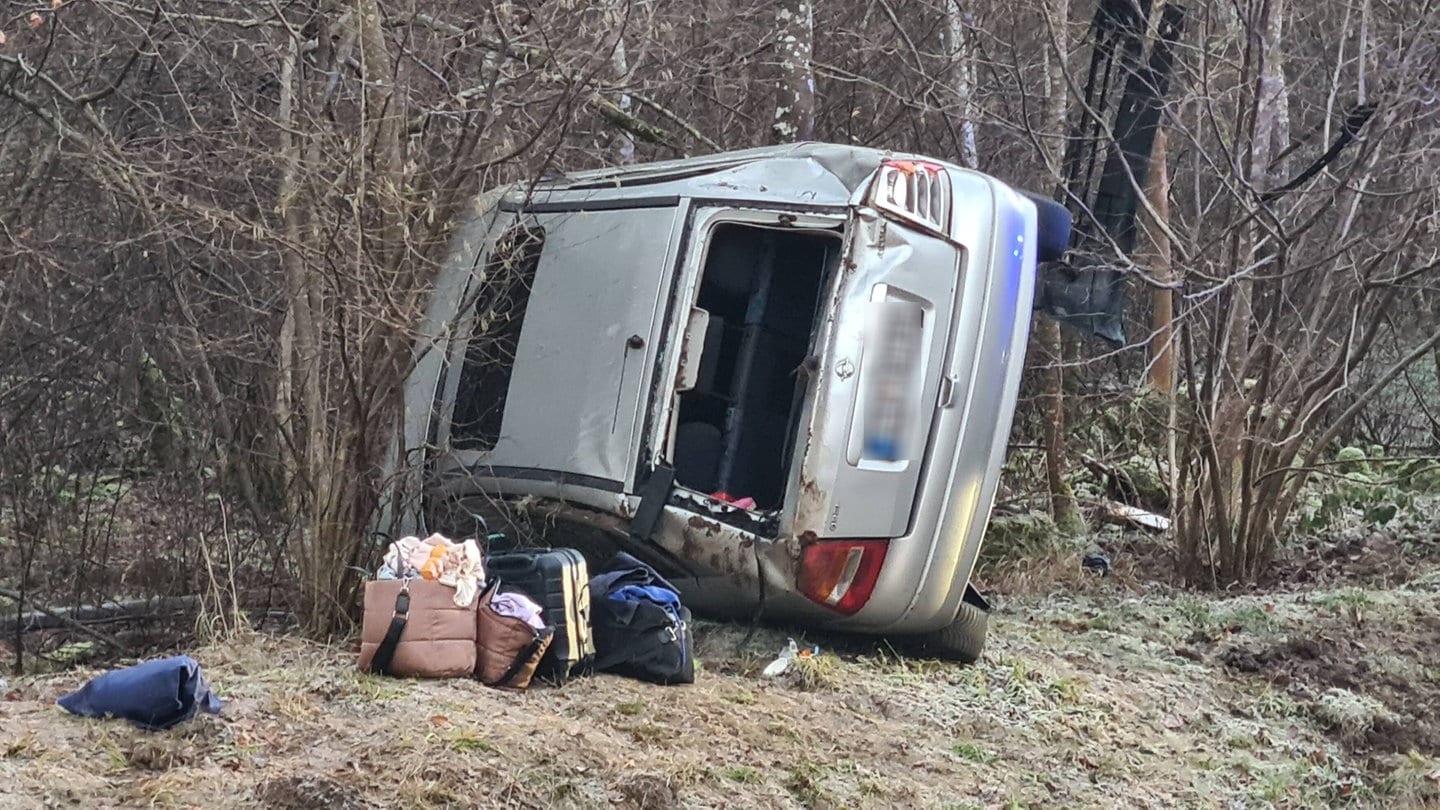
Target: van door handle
[[947, 391]]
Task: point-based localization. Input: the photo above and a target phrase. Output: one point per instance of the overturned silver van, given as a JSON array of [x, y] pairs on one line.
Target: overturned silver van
[[783, 376]]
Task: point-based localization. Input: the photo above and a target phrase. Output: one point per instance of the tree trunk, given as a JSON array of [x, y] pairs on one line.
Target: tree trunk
[[1260, 254], [1160, 265], [1435, 360], [622, 148], [1063, 506], [795, 95], [1158, 261], [960, 47]]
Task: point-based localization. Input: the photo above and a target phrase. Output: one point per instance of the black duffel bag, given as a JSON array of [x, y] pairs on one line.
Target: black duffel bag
[[641, 628]]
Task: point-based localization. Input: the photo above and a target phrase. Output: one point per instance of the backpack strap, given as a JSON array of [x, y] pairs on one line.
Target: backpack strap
[[523, 657], [385, 653]]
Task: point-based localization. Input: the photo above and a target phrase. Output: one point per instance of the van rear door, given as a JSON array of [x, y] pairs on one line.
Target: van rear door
[[880, 382], [591, 324]]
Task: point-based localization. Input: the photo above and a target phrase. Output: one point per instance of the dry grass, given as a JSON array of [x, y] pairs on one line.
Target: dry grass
[[1081, 701], [816, 673]]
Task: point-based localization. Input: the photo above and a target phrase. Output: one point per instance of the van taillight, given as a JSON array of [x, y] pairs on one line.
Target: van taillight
[[841, 574], [916, 190]]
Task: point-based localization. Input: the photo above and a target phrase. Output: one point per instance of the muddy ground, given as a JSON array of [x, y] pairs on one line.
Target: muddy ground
[[1104, 694]]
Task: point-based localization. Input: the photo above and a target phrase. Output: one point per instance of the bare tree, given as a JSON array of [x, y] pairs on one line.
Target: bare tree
[[795, 93], [959, 43], [1063, 506], [355, 170]]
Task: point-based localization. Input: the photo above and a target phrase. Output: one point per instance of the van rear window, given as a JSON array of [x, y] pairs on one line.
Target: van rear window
[[501, 300]]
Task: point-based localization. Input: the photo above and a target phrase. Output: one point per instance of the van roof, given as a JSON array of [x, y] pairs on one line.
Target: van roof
[[814, 174]]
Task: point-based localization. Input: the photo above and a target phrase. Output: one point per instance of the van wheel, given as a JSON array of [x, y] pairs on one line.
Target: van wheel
[[963, 640]]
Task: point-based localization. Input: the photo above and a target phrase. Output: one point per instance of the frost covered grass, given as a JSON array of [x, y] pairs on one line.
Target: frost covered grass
[[1095, 699]]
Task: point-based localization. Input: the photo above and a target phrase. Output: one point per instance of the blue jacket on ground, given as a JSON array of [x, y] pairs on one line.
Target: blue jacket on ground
[[154, 695]]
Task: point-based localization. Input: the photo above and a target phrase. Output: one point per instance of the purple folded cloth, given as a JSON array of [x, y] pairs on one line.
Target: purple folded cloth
[[518, 606]]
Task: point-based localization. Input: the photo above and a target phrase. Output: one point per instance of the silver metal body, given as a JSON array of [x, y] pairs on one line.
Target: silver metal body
[[592, 397]]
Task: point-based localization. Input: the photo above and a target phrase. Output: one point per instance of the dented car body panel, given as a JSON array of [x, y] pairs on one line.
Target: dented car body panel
[[764, 319]]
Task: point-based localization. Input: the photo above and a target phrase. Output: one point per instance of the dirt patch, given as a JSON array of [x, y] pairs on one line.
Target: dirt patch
[[306, 792], [648, 791], [187, 746], [1308, 660], [1371, 684], [1358, 557], [1403, 736]]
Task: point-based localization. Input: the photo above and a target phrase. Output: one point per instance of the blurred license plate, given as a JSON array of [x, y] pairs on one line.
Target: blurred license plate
[[893, 338]]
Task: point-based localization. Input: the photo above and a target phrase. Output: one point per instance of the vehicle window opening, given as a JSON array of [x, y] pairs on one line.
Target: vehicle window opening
[[735, 428], [501, 300]]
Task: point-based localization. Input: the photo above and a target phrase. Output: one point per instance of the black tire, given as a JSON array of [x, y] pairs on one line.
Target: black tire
[[963, 640]]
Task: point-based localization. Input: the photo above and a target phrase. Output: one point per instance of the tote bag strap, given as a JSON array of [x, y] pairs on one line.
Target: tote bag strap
[[385, 653]]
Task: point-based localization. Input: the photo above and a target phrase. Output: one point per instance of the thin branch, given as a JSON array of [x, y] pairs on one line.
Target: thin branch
[[665, 113], [649, 133]]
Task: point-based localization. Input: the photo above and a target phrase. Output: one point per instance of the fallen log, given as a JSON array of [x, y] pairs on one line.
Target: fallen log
[[129, 610], [61, 617], [77, 616]]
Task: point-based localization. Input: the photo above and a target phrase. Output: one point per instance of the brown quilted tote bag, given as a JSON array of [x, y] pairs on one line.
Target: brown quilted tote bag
[[414, 629]]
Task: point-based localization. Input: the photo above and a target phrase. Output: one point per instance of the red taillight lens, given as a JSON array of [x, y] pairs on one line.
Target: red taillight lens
[[841, 574], [912, 166]]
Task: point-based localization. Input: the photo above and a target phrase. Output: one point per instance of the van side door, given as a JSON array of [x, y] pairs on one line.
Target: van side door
[[582, 365]]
